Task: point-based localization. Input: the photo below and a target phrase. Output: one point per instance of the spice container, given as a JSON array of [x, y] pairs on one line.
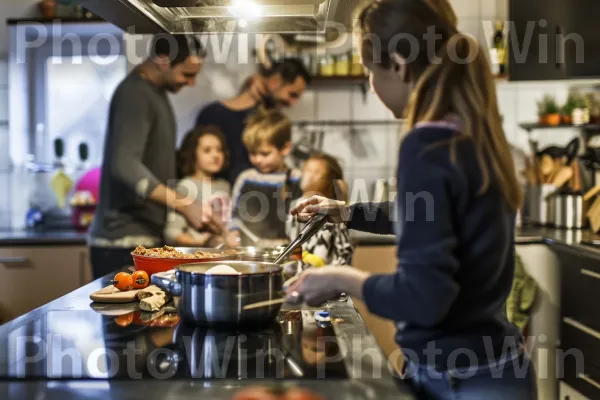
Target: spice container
[[342, 65], [326, 66]]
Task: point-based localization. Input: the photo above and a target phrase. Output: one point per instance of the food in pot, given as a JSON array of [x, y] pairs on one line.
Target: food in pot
[[222, 269], [171, 252], [140, 280], [122, 281]]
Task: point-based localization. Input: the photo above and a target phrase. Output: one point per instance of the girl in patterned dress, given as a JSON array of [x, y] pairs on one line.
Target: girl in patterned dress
[[322, 175]]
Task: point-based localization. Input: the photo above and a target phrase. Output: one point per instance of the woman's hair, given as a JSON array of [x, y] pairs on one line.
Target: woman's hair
[[333, 186], [455, 80], [267, 126], [187, 153]]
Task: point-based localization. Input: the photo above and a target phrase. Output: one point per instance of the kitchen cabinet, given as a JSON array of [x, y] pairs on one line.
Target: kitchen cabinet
[[31, 276], [580, 322], [532, 40], [580, 17], [546, 35]]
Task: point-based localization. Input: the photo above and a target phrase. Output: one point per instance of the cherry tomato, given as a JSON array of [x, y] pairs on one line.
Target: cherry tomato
[[302, 394], [124, 320], [140, 280], [122, 281], [256, 393]]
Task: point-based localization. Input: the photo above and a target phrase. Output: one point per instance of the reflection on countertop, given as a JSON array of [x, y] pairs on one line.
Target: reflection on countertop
[[41, 237]]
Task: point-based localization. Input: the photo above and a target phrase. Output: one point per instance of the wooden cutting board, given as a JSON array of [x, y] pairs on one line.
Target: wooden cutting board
[[111, 294]]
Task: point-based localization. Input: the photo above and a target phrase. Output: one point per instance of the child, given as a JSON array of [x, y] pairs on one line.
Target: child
[[262, 195], [322, 175], [202, 155]]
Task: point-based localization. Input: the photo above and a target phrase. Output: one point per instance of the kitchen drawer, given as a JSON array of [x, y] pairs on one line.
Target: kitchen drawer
[[33, 276], [586, 381], [578, 336], [580, 292]]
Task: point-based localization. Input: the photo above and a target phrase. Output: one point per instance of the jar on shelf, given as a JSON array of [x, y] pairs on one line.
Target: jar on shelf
[[342, 65], [326, 66], [356, 67]]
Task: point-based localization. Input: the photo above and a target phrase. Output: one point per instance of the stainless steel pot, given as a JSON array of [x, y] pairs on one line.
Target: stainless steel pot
[[203, 299], [569, 211]]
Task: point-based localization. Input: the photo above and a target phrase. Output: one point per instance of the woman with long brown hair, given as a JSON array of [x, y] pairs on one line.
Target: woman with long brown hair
[[454, 214]]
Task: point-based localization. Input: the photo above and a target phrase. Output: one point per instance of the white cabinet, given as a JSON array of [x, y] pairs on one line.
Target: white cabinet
[[33, 276], [543, 266]]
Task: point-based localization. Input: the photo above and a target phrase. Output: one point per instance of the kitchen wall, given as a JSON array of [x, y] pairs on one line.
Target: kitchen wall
[[367, 154]]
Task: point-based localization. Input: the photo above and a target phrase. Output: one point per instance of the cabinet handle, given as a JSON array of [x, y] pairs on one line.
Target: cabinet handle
[[560, 48], [590, 273], [15, 262], [589, 380], [582, 327]]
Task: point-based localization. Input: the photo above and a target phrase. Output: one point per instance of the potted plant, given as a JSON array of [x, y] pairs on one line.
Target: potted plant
[[581, 111], [47, 8], [567, 109], [548, 111]]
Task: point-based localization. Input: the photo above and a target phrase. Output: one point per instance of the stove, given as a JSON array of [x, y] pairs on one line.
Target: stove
[[85, 344]]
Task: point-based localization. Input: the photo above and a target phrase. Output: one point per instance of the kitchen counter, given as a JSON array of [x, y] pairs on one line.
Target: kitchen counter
[[582, 241], [367, 373], [27, 237]]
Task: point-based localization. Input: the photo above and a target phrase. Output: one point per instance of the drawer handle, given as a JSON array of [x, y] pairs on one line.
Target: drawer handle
[[590, 273], [589, 380], [15, 262], [582, 327]]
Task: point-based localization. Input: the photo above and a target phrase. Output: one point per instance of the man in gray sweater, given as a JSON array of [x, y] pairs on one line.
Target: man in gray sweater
[[139, 157]]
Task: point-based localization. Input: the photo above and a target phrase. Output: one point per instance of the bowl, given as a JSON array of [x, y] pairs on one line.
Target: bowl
[[153, 265]]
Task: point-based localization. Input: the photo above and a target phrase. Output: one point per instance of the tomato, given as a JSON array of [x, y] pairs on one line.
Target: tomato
[[124, 320], [255, 393], [140, 280], [122, 281], [302, 394]]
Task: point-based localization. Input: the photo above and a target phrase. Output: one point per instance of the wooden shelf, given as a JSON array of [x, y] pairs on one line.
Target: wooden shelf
[[65, 20], [324, 81], [535, 125]]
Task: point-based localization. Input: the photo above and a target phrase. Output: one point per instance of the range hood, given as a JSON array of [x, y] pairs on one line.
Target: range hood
[[231, 16]]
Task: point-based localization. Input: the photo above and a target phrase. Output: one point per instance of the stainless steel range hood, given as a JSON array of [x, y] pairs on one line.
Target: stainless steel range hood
[[200, 16]]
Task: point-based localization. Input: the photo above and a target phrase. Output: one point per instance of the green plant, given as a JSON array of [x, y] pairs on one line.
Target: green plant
[[570, 105], [547, 105]]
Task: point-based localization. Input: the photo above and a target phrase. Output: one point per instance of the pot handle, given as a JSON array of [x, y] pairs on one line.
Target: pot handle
[[166, 283]]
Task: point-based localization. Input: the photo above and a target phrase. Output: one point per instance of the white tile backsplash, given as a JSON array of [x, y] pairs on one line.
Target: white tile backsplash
[[333, 105], [305, 109], [369, 145], [368, 107], [466, 8]]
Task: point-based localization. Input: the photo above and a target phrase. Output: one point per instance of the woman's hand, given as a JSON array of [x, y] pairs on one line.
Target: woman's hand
[[336, 211], [317, 285]]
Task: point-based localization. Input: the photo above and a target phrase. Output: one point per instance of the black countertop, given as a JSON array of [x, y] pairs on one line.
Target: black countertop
[[69, 327], [50, 237]]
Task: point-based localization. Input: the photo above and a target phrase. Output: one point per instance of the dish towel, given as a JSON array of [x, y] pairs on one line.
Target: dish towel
[[521, 298]]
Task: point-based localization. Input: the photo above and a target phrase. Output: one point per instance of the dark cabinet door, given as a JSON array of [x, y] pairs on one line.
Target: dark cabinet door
[[581, 41], [532, 38]]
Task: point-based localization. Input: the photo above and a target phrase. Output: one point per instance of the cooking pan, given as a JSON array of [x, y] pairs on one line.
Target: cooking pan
[[214, 299], [153, 265]]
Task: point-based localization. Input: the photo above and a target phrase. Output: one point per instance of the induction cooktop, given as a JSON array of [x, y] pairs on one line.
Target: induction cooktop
[[88, 345]]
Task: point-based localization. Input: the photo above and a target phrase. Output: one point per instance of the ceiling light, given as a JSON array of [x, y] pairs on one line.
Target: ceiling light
[[245, 9]]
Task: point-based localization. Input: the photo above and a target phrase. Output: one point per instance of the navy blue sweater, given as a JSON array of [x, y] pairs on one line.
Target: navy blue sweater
[[455, 255]]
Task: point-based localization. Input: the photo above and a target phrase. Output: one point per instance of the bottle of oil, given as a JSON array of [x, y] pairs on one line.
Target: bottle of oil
[[499, 45]]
